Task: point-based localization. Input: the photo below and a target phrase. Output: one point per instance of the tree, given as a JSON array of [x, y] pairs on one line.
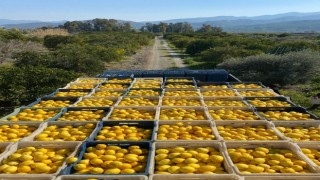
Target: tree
[[209, 28]]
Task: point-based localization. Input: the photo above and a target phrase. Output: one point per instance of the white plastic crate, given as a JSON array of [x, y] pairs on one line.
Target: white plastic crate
[[261, 89], [60, 124], [68, 86], [235, 108], [180, 98], [144, 97], [195, 91], [269, 144], [310, 145], [190, 144], [195, 177], [142, 80], [192, 123], [201, 85], [146, 108], [124, 86], [238, 124], [114, 99], [203, 91], [5, 146], [56, 145], [146, 85], [225, 99], [296, 124], [197, 108], [191, 86], [92, 94], [102, 177], [89, 79]]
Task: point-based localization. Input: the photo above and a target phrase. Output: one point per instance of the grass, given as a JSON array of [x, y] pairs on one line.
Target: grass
[[44, 32]]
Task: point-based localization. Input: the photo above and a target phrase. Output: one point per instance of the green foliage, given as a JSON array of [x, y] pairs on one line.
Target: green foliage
[[11, 34], [290, 68], [32, 58], [24, 84], [73, 57], [219, 54], [97, 25], [52, 41]]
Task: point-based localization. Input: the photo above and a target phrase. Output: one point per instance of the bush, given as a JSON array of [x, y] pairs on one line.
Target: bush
[[290, 68], [21, 85], [73, 57], [52, 41]]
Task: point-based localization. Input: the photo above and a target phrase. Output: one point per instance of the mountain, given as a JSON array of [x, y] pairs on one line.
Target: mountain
[[285, 22], [34, 25], [8, 21]]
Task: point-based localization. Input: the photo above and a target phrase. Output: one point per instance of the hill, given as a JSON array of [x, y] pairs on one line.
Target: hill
[[285, 22]]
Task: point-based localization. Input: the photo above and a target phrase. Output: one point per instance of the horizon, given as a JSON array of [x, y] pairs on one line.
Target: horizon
[[156, 20], [143, 10]]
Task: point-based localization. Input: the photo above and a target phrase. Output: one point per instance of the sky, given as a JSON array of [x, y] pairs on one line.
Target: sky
[[147, 10]]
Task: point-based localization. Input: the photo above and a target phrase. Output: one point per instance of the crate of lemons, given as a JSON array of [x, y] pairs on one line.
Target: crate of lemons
[[188, 158], [25, 159], [111, 158], [267, 159]]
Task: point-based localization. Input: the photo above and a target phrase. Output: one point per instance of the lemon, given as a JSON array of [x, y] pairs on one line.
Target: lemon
[[112, 171], [127, 171], [187, 169], [10, 169]]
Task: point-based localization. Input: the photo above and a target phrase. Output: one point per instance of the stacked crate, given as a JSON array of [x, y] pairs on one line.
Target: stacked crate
[[179, 128]]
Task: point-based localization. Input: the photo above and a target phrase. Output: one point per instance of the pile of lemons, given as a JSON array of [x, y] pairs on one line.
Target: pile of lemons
[[256, 93], [143, 92], [182, 131], [113, 86], [233, 114], [269, 103], [179, 80], [180, 160], [94, 102], [90, 81], [52, 103], [214, 87], [14, 132], [70, 94], [181, 93], [33, 160], [181, 114], [82, 115], [219, 93], [218, 102], [123, 133], [65, 133], [146, 85], [246, 133], [132, 114], [299, 133], [313, 154], [34, 115], [267, 160], [286, 116], [103, 159], [81, 86], [138, 101], [116, 80], [246, 86], [166, 101], [179, 86], [107, 93]]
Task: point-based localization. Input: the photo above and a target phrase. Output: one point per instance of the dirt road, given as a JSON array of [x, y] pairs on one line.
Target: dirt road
[[159, 56]]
